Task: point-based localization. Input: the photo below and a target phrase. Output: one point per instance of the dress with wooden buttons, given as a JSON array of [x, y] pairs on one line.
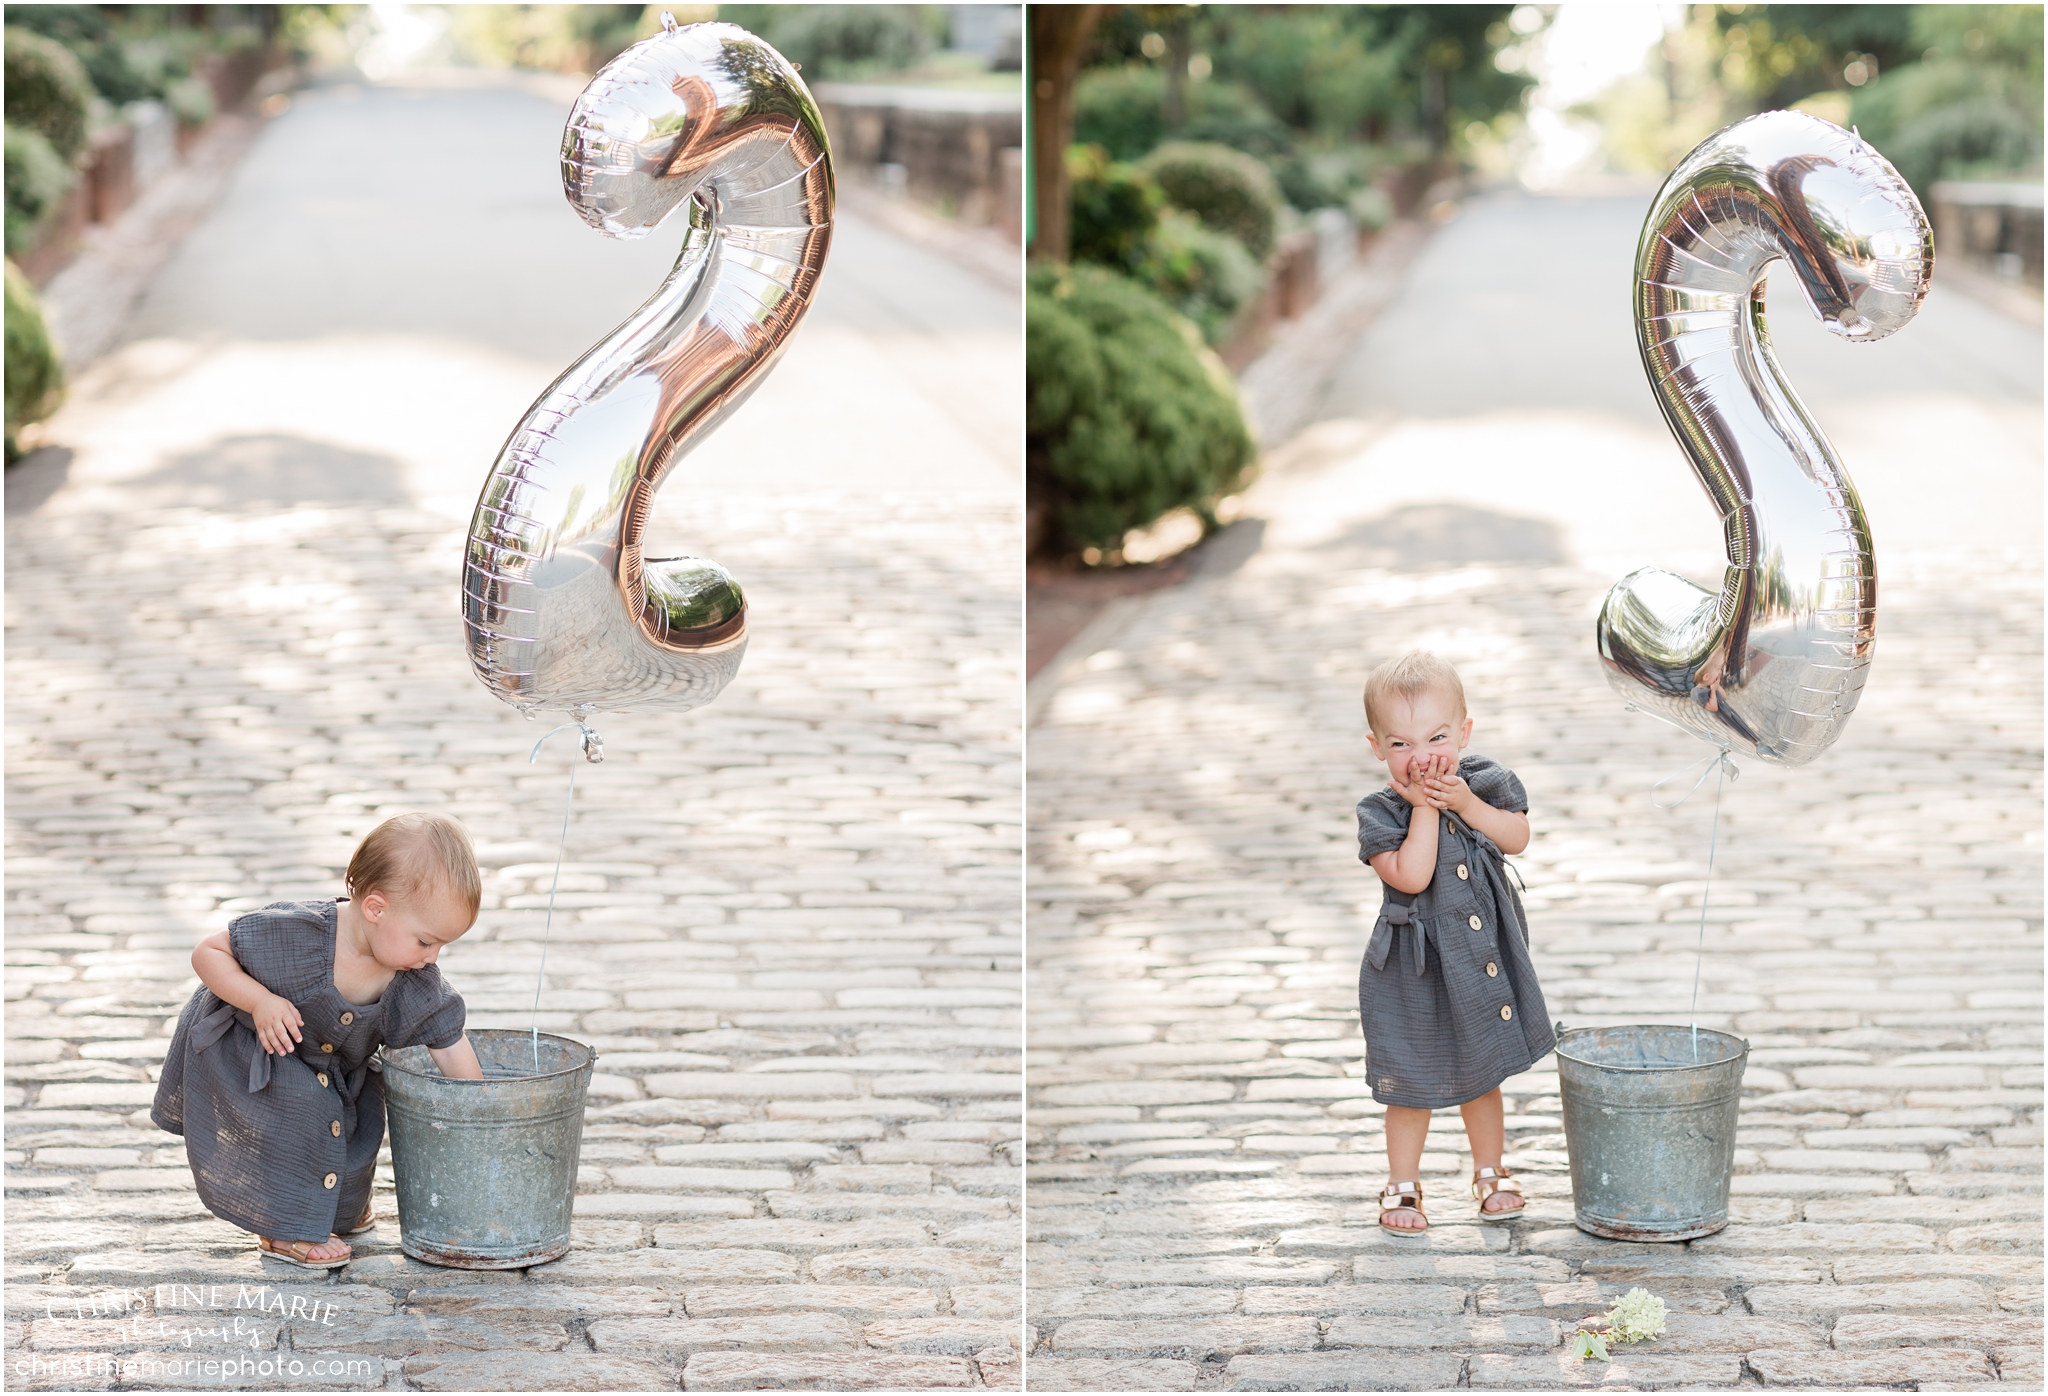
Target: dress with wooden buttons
[[1447, 995], [286, 1146]]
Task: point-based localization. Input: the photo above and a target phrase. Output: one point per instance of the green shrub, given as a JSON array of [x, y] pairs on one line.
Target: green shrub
[[1123, 110], [840, 41], [190, 100], [1120, 109], [84, 30], [1370, 208], [35, 376], [37, 178], [1949, 116], [1231, 114], [1127, 415], [1227, 189], [1204, 274], [47, 90], [1113, 208], [1981, 135], [1305, 184]]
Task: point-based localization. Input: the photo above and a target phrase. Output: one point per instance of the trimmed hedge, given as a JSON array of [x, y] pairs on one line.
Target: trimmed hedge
[[1127, 417], [35, 375], [1227, 189], [1123, 111], [37, 177], [1947, 118], [1205, 275], [47, 90], [1112, 208], [85, 31]]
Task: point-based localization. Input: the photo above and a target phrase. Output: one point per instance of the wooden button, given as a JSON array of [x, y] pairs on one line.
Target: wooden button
[[328, 1181], [1476, 923], [1492, 969], [1506, 1013], [329, 1046], [335, 1129], [321, 1077], [348, 1018], [1463, 872]]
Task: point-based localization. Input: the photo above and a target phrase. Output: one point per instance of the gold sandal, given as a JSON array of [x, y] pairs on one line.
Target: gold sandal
[[298, 1253], [1501, 1181], [1395, 1199]]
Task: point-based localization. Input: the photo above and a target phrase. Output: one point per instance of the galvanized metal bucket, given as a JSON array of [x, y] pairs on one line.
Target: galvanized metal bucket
[[1650, 1128], [487, 1169]]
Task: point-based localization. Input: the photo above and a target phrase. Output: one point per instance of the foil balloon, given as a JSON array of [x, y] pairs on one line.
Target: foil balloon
[[708, 124], [1773, 663]]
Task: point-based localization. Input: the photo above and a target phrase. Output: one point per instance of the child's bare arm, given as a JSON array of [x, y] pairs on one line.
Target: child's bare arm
[[1410, 867], [277, 1021], [1508, 830], [459, 1061]]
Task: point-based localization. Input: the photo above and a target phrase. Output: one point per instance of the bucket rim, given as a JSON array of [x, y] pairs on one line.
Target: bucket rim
[[1741, 1044], [589, 1062]]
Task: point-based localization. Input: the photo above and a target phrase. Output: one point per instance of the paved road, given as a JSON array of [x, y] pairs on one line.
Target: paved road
[[1205, 1153], [788, 922]]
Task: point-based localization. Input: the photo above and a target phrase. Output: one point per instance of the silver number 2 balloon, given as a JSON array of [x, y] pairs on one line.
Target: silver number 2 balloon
[[1772, 665], [561, 609]]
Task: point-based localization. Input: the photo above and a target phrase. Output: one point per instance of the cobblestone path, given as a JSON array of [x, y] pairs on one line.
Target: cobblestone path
[[787, 923], [1206, 1154]]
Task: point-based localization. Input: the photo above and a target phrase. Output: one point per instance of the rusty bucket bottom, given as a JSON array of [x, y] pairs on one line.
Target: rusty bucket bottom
[[1622, 1231], [472, 1258]]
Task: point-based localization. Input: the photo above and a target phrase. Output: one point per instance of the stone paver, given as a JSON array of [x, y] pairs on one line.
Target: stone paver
[[1205, 1154], [788, 922]]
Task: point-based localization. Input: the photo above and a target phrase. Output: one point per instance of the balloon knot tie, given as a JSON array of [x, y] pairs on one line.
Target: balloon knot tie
[[1721, 760]]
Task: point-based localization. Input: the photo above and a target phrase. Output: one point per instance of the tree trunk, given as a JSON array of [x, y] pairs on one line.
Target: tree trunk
[[1180, 46], [1058, 33]]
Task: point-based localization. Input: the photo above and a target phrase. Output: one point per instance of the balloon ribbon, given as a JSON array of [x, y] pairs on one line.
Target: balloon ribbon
[[1723, 765], [593, 751]]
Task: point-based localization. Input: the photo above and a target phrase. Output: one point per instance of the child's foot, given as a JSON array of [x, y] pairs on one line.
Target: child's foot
[[1401, 1207], [312, 1255], [1499, 1195]]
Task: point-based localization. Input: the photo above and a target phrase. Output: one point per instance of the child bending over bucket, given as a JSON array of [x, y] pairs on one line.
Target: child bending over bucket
[[272, 1076], [1447, 996]]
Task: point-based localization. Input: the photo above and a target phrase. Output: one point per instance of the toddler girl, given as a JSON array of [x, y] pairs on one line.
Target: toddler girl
[[272, 1076], [1447, 995]]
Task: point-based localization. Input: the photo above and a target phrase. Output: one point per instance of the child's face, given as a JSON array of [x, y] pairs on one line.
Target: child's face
[[408, 932], [1418, 732]]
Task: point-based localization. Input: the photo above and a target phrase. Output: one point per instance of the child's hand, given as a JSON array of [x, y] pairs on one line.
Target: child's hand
[[1415, 793], [1447, 790], [277, 1025]]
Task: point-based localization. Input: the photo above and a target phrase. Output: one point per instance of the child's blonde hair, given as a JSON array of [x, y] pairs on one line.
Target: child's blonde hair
[[410, 851], [1414, 673]]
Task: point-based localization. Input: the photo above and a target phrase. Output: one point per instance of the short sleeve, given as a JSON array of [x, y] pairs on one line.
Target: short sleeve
[[1494, 783], [1382, 824], [426, 1012], [287, 947]]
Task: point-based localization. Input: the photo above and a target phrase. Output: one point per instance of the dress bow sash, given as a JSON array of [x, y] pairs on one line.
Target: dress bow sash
[[213, 1025], [1394, 914]]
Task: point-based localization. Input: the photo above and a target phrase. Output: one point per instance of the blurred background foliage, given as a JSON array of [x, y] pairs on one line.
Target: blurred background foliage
[[1204, 135], [831, 43], [1945, 91]]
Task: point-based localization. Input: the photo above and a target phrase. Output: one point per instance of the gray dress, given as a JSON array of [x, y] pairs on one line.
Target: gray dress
[[286, 1146], [1447, 995]]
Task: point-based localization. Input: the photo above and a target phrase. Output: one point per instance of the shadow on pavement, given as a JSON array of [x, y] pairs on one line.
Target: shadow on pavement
[[270, 468], [35, 477], [1425, 537]]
